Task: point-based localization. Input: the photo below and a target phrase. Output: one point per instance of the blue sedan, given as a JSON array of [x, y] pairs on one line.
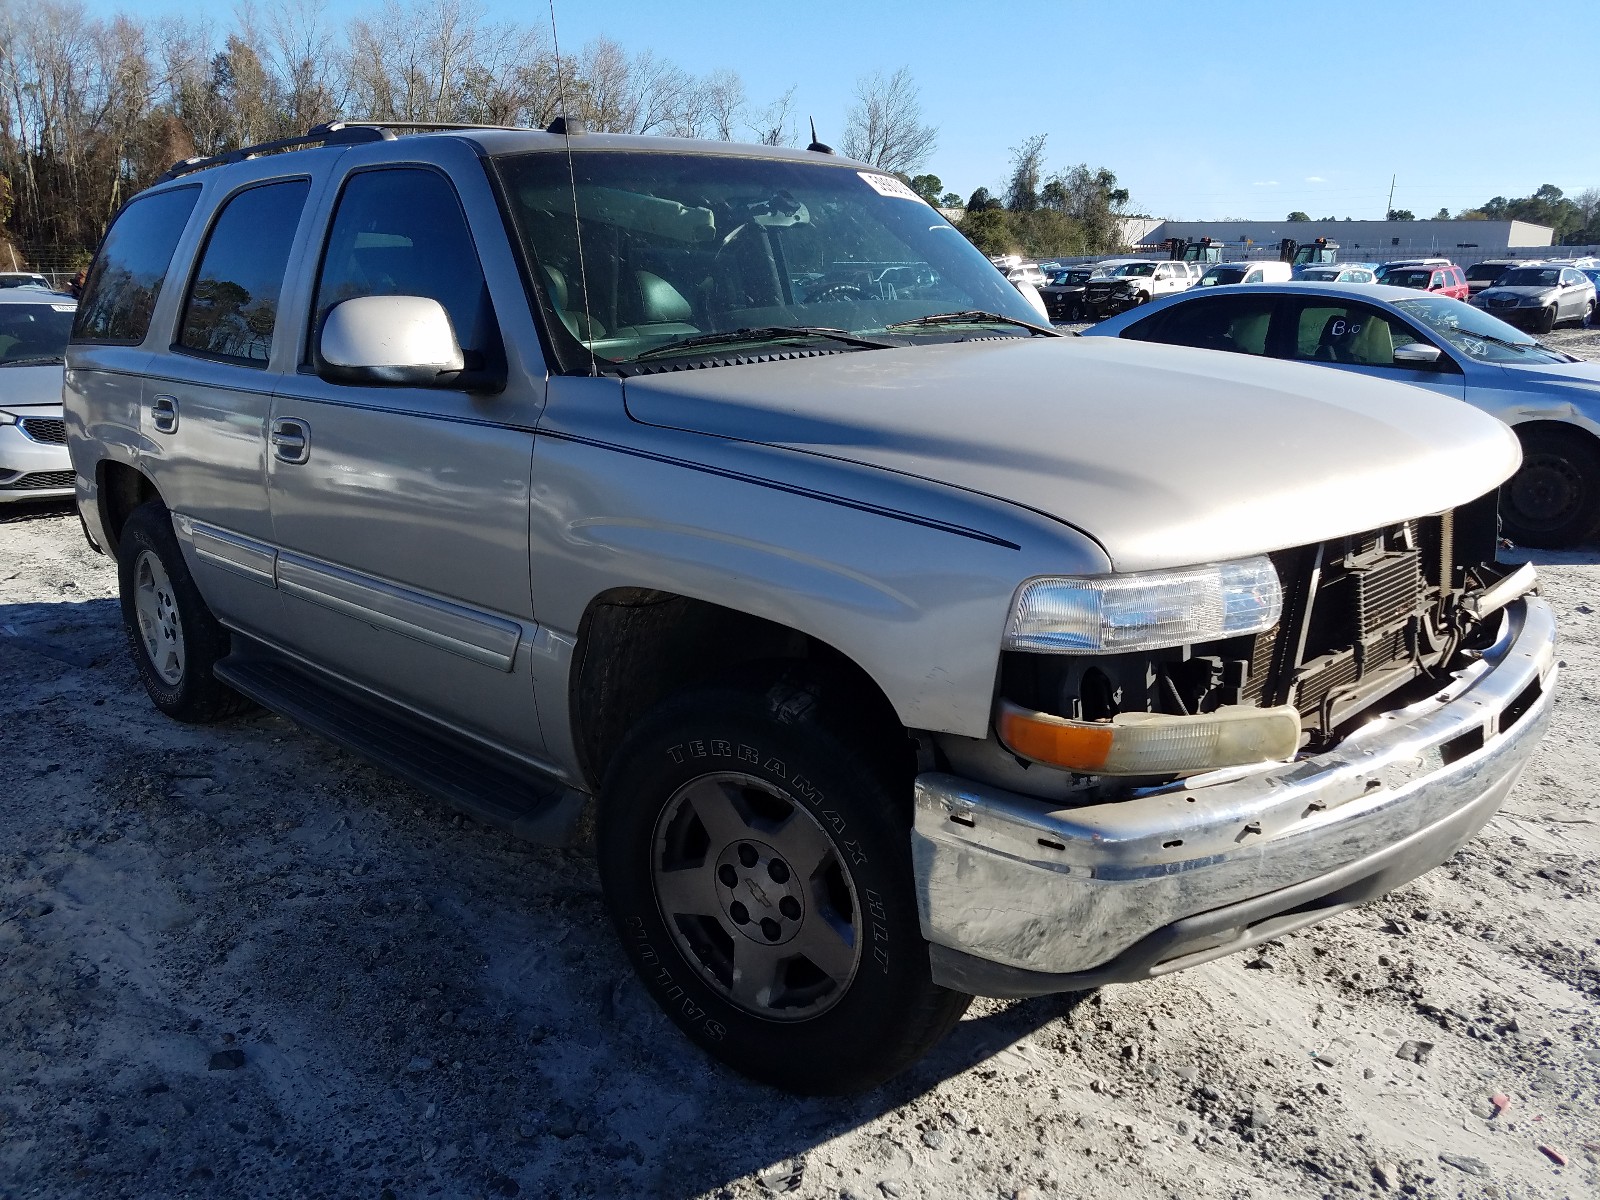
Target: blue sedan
[[1551, 399]]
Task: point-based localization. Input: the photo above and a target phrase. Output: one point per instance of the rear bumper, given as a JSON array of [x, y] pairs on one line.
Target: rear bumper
[[1017, 899]]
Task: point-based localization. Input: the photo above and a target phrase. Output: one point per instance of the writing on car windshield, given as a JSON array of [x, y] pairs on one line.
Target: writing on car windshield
[[637, 252], [1475, 333]]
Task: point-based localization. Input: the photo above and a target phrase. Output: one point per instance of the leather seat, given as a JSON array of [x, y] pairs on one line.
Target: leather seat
[[560, 297], [663, 310]]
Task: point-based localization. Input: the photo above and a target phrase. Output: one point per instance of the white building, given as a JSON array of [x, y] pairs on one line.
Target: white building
[[1364, 241]]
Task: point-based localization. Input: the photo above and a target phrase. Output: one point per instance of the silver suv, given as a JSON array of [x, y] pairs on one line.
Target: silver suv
[[905, 649]]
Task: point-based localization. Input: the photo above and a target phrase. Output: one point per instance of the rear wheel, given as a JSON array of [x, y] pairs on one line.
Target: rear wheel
[[174, 639], [1553, 500], [756, 861]]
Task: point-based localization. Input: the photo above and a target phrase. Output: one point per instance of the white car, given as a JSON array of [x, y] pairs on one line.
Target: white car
[[1123, 283], [1246, 272], [1027, 273], [34, 326]]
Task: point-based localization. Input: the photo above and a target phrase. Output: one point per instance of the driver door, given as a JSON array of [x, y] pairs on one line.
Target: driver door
[[1350, 336]]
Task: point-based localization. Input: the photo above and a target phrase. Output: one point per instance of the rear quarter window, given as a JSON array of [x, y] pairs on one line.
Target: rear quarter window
[[125, 281]]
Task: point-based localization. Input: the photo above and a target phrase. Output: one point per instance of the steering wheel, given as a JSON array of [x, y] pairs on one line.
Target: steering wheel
[[837, 291]]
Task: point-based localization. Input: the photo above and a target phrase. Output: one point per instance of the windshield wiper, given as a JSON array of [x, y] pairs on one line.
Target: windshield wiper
[[35, 361], [762, 333], [973, 316]]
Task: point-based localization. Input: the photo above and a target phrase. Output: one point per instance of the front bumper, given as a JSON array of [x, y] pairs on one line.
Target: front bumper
[[33, 470], [1017, 899]]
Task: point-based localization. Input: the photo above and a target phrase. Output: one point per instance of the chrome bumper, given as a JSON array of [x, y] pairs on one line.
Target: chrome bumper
[[1019, 899]]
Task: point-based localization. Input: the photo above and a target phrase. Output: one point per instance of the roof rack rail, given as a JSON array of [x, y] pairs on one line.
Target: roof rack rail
[[329, 133]]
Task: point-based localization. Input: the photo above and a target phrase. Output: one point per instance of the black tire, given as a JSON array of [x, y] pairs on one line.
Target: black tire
[[1545, 321], [1553, 501], [788, 762], [182, 685]]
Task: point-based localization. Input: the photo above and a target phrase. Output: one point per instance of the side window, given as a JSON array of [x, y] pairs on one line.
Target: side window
[[401, 232], [232, 306], [1253, 277], [1235, 323], [1340, 332], [124, 283]]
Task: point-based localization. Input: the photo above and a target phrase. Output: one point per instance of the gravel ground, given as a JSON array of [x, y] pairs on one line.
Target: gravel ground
[[236, 961]]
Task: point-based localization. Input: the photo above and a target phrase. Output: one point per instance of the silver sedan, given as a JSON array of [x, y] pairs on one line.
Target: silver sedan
[[1551, 399], [1541, 296]]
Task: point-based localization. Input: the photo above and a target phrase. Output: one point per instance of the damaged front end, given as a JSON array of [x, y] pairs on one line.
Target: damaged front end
[[1344, 728]]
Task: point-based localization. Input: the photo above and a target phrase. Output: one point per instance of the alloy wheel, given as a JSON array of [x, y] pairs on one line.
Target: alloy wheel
[[157, 609], [757, 896]]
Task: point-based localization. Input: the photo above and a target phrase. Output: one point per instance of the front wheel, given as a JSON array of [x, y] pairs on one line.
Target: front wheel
[[756, 862], [1553, 500], [174, 639], [1546, 320]]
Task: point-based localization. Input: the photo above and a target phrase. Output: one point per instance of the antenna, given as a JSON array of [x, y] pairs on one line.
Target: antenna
[[564, 126], [817, 147]]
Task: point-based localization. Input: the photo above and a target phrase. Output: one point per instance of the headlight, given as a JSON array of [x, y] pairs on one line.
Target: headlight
[[1108, 614], [7, 418]]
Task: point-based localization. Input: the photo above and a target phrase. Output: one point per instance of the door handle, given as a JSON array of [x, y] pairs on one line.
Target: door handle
[[291, 440], [164, 414]]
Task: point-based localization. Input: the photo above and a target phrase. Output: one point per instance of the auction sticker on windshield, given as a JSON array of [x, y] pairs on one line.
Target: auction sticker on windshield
[[888, 185]]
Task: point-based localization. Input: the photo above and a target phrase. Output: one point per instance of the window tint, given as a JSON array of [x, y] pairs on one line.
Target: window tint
[[232, 305], [1331, 331], [125, 280], [1236, 323], [401, 232]]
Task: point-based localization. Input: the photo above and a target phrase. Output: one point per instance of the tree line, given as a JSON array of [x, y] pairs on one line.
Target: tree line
[[1061, 213], [92, 109], [1575, 219]]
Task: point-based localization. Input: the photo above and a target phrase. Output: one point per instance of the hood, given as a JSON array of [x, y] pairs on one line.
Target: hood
[[27, 386], [1579, 381], [1531, 291], [1164, 455]]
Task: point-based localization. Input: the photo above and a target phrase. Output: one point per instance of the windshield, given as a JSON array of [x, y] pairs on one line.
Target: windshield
[[1530, 277], [680, 246], [1411, 278], [1060, 278], [34, 332], [1485, 271], [1129, 270], [1320, 276], [1221, 275], [1475, 333]]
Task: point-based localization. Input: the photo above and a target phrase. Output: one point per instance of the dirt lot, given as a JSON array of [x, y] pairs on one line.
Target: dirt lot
[[236, 961]]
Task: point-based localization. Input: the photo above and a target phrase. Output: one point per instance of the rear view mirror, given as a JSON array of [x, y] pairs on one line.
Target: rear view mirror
[[1416, 354], [405, 340]]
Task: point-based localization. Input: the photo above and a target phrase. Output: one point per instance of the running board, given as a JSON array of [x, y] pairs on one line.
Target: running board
[[493, 788]]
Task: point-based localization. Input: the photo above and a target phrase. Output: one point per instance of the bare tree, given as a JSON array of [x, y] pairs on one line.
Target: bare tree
[[774, 124], [884, 126]]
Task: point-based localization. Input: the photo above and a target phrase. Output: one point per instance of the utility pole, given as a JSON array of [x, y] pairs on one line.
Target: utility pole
[[1390, 208]]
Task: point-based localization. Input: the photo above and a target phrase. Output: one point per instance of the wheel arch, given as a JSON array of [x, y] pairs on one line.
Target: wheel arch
[[635, 647], [119, 489]]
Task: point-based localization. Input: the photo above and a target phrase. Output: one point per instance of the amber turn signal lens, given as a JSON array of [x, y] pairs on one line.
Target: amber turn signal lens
[[1152, 743]]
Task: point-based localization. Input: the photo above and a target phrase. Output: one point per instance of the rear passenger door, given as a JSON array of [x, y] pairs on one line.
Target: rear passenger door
[[207, 411], [402, 512]]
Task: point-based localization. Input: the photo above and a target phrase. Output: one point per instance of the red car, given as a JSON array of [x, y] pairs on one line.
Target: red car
[[1446, 280]]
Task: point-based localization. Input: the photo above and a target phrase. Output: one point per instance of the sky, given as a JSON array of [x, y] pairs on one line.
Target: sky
[[1233, 108]]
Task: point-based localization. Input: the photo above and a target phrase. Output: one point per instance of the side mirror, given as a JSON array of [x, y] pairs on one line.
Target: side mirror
[[404, 340], [1417, 354]]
